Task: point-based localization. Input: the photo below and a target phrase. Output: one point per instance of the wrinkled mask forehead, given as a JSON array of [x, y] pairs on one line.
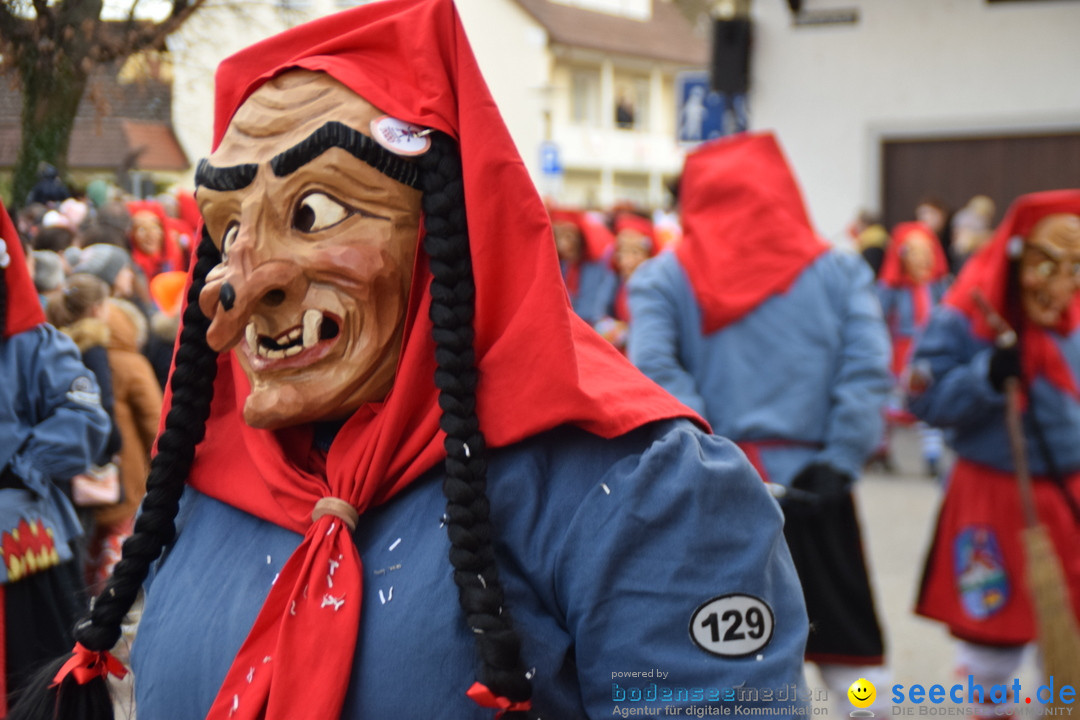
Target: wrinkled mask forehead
[[1050, 268], [1056, 234], [317, 224]]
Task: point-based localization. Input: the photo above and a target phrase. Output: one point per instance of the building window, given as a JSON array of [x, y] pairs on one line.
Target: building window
[[585, 98], [632, 104]]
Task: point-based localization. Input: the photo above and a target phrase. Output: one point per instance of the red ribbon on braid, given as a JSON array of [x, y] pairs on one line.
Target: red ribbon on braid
[[86, 664], [480, 694]]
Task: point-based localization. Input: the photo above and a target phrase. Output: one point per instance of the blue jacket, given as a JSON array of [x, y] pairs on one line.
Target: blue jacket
[[606, 550], [961, 399], [596, 288], [808, 368], [898, 307], [53, 426]]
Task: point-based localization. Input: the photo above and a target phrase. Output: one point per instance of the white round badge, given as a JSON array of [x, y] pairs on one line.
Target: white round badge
[[400, 137], [732, 625]]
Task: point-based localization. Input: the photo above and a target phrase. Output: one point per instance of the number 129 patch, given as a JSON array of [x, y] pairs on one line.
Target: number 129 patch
[[732, 625]]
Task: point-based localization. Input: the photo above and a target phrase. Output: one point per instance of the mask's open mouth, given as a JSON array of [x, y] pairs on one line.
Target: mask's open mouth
[[297, 346]]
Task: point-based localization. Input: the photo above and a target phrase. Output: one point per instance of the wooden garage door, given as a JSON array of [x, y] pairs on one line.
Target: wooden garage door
[[955, 169]]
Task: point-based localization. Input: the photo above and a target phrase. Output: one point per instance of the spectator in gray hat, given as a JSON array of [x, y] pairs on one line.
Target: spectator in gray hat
[[48, 271], [110, 263], [114, 265]]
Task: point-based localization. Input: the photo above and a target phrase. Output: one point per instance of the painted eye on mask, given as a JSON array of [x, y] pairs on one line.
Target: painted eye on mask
[[1046, 268], [319, 211]]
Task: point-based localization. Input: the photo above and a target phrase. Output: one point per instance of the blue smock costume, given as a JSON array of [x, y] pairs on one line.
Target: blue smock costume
[[606, 549], [779, 343]]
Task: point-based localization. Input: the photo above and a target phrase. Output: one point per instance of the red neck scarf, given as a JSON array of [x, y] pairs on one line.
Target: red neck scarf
[[539, 366], [988, 272], [746, 234], [23, 306]]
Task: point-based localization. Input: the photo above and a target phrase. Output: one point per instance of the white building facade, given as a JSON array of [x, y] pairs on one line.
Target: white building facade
[[840, 96]]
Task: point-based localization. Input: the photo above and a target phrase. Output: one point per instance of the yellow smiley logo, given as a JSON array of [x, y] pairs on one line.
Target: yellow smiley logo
[[862, 693]]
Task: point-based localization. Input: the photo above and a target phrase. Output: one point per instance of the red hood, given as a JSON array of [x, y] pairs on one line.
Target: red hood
[[746, 233]]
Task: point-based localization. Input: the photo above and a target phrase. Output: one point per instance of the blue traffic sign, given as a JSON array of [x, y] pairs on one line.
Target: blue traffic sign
[[700, 111]]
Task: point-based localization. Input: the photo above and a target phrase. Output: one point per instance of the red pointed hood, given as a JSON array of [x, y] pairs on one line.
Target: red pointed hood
[[892, 268], [746, 233], [22, 303], [988, 269]]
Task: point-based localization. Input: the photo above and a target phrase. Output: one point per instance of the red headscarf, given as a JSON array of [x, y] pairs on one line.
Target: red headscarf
[[23, 306], [988, 273], [746, 233], [170, 256], [596, 238], [539, 366], [893, 273]]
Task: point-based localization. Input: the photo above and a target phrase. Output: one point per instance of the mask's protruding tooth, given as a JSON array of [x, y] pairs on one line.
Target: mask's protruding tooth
[[252, 336], [312, 322]]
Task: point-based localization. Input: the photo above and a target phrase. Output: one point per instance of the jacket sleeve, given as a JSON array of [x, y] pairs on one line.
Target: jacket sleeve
[[653, 341], [862, 381], [956, 368], [678, 565], [70, 427], [145, 399]]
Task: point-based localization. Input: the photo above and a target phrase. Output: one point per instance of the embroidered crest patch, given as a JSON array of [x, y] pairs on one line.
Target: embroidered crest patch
[[400, 137], [980, 572]]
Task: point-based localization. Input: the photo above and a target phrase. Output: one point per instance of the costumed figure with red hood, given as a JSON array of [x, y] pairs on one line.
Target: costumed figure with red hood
[[52, 427], [778, 341], [1013, 312], [583, 243], [914, 277], [406, 480], [154, 245], [635, 242]]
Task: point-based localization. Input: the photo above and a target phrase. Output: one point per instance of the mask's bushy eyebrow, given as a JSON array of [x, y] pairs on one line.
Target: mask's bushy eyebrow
[[360, 146], [224, 179]]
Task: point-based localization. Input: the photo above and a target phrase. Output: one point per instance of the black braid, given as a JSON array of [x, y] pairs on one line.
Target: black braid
[[192, 385], [471, 535]]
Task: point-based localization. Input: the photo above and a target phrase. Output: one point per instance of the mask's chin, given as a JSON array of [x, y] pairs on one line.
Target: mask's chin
[[275, 407]]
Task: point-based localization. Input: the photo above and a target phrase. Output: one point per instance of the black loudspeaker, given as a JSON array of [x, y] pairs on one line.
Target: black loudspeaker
[[730, 69], [795, 5]]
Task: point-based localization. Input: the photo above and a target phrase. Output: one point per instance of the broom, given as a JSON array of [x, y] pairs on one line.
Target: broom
[[1059, 637]]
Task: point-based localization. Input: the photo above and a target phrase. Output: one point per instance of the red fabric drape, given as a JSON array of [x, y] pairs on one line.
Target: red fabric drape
[[23, 306], [746, 233]]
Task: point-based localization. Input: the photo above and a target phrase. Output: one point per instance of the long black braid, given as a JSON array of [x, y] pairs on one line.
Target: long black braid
[[469, 526], [192, 385]]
